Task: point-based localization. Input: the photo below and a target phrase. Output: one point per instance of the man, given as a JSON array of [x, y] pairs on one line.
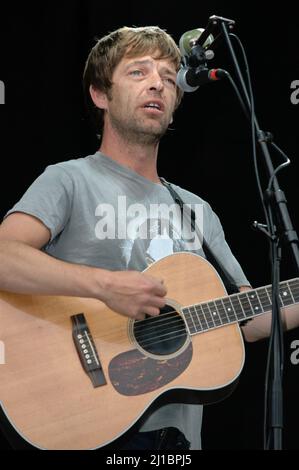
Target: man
[[53, 241]]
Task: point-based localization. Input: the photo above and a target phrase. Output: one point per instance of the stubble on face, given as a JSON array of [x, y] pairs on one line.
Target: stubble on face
[[136, 129], [128, 118]]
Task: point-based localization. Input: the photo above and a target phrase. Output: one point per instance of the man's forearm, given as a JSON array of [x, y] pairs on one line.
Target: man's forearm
[[260, 327], [27, 270]]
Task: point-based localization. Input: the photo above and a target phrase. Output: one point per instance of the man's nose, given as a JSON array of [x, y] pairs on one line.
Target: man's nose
[[156, 82]]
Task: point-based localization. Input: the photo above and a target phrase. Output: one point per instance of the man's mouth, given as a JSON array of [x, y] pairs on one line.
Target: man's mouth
[[154, 106]]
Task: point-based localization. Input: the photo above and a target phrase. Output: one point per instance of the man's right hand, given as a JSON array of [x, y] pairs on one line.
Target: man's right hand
[[28, 270], [134, 294]]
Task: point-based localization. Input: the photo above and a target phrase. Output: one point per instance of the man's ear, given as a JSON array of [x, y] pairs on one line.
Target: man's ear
[[98, 97]]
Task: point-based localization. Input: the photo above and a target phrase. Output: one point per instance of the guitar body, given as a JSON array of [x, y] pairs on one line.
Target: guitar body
[[49, 398]]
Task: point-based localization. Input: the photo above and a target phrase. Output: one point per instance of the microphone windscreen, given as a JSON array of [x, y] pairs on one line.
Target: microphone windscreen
[[188, 38]]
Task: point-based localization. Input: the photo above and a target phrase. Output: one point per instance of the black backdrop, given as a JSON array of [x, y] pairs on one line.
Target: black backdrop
[[43, 50]]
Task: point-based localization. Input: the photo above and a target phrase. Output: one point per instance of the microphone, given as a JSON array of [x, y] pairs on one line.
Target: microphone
[[190, 79], [192, 38], [203, 37], [194, 46]]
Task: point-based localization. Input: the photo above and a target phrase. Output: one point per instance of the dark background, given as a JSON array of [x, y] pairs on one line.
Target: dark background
[[43, 50]]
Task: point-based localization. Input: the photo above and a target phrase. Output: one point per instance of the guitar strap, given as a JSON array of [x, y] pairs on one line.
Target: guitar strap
[[227, 279]]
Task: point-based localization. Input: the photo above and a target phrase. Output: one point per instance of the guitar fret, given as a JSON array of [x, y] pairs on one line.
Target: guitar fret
[[245, 304], [264, 299], [229, 309], [192, 318], [200, 315], [196, 319], [222, 301], [291, 292], [189, 320], [225, 316], [204, 320], [280, 299], [258, 293], [238, 307], [245, 316], [270, 300], [218, 308], [221, 311], [211, 321], [215, 314], [296, 294], [255, 302]]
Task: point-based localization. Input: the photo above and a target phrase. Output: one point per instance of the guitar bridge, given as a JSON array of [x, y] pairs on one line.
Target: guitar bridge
[[86, 350]]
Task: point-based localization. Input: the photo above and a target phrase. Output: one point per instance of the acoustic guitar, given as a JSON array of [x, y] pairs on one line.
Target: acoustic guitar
[[77, 375]]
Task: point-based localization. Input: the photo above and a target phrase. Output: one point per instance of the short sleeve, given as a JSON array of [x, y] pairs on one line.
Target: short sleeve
[[49, 198]]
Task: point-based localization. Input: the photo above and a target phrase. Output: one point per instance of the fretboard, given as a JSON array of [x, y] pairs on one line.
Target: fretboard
[[238, 307]]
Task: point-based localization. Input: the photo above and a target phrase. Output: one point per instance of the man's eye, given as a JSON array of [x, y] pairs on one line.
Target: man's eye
[[137, 73], [170, 80]]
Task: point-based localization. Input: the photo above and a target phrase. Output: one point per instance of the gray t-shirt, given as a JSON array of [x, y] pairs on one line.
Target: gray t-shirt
[[103, 214]]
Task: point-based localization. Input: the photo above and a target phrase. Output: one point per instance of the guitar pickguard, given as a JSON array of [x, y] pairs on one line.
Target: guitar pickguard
[[132, 373]]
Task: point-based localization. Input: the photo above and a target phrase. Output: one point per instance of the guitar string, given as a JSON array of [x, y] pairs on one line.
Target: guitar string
[[241, 295], [161, 338], [179, 333], [171, 323], [155, 339], [155, 320], [261, 298], [158, 338]]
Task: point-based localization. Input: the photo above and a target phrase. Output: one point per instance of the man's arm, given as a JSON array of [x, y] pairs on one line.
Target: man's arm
[[24, 268], [260, 327]]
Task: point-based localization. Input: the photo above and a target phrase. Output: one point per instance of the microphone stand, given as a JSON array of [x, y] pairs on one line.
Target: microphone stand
[[276, 203]]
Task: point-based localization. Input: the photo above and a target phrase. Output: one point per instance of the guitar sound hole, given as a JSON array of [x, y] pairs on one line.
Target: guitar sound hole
[[161, 335]]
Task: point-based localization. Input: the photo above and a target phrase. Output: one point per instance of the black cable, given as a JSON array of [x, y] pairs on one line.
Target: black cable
[[275, 261], [252, 120]]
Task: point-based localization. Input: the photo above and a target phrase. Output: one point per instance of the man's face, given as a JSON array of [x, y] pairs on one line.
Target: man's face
[[142, 98]]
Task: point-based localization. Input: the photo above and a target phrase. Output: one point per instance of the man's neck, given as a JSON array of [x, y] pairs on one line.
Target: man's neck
[[140, 158]]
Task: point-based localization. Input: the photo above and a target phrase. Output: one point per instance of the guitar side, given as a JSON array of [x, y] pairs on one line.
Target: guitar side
[[50, 400]]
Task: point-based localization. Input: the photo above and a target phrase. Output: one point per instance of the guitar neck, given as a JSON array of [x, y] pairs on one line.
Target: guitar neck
[[238, 307]]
